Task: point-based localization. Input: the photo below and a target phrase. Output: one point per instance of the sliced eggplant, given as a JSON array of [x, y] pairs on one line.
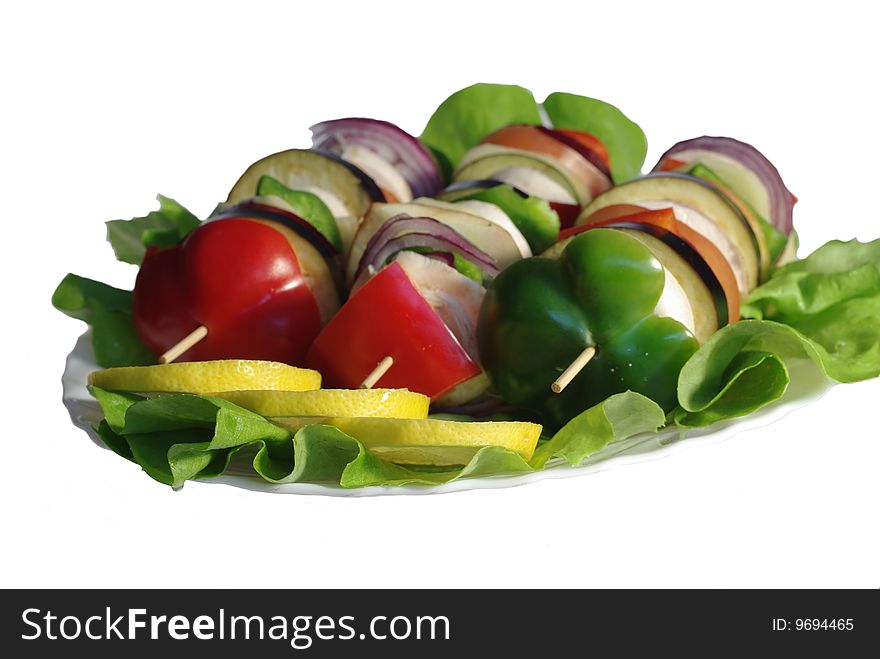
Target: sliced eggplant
[[534, 173], [464, 189], [686, 297], [344, 188], [701, 206], [742, 180]]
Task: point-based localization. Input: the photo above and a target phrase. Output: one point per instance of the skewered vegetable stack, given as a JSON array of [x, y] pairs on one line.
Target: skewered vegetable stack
[[541, 276]]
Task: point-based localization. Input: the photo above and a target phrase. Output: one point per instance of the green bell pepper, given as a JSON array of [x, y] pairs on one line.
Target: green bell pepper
[[540, 314]]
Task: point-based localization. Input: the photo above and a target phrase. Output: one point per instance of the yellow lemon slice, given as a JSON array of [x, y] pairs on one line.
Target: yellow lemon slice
[[203, 377], [430, 441], [393, 403]]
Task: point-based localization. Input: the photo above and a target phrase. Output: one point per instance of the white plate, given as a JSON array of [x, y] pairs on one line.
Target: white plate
[[807, 386]]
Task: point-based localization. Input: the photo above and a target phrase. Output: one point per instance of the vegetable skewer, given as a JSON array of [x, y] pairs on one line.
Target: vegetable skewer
[[183, 345], [380, 370], [574, 368]]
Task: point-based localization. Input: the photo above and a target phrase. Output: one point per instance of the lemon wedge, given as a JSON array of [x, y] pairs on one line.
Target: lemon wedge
[[429, 441], [393, 403], [203, 377]]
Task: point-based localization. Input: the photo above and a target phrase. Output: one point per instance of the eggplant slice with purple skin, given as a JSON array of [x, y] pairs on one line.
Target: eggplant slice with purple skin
[[344, 188]]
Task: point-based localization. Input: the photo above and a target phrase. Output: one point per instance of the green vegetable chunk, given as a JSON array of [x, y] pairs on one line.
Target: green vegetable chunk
[[534, 217], [305, 204], [540, 314], [467, 268]]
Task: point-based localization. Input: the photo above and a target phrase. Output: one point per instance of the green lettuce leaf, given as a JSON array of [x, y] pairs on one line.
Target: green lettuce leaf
[[626, 142], [108, 311], [162, 228], [182, 437], [618, 417], [825, 307], [466, 117], [470, 114]]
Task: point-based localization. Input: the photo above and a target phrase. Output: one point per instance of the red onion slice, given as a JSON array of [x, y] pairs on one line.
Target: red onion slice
[[403, 151], [443, 257], [781, 199], [403, 231]]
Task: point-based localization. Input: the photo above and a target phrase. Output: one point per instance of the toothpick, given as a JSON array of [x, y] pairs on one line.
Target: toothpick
[[184, 344], [380, 370], [573, 369]]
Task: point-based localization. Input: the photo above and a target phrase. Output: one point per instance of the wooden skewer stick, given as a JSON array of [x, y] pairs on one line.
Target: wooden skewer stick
[[184, 344], [573, 369], [380, 370]]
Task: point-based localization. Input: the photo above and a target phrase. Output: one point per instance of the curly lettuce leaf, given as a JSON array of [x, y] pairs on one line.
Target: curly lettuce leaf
[[466, 117], [108, 311], [625, 140], [162, 228], [825, 307], [183, 437], [618, 417]]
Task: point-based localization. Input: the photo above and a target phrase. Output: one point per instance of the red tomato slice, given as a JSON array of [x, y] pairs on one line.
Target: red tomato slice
[[671, 164], [568, 213], [590, 141], [540, 140], [388, 317]]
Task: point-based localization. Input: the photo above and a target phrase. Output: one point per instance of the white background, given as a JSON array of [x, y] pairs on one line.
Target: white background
[[104, 106]]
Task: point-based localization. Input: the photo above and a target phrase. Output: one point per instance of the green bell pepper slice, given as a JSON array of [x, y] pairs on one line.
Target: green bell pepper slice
[[540, 314]]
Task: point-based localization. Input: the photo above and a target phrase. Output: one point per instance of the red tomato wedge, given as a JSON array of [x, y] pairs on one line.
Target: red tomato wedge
[[616, 212], [671, 164], [541, 140], [388, 317], [591, 142], [568, 213], [664, 220], [239, 278]]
